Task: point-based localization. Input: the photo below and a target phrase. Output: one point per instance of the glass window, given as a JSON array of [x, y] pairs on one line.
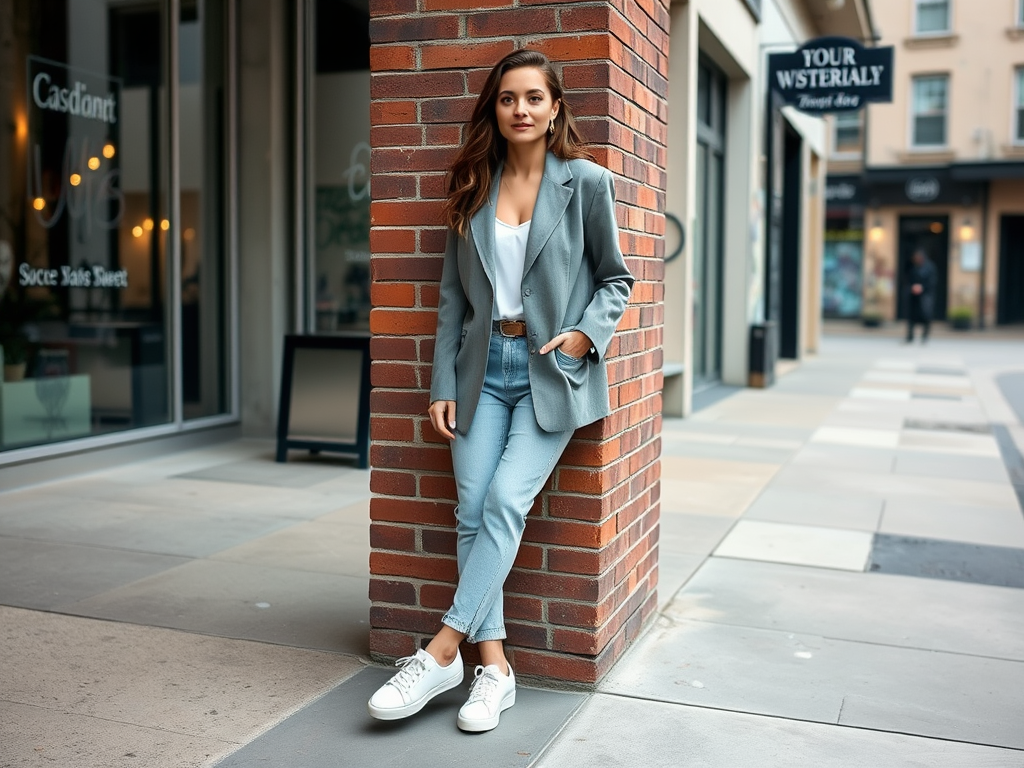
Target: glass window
[[88, 254], [339, 167], [84, 267], [1019, 110], [929, 105], [932, 16], [848, 137]]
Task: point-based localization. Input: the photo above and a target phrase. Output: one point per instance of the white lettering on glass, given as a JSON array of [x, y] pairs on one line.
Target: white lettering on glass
[[75, 101]]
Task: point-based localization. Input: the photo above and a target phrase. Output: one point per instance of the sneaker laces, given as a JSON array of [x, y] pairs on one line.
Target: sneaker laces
[[412, 669], [483, 686]]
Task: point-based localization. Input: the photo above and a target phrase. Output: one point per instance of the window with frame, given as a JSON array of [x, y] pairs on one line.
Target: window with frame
[[931, 17], [930, 106], [847, 132], [1018, 112]]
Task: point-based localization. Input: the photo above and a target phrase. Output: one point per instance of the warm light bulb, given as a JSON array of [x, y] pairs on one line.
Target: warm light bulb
[[39, 203], [75, 179], [147, 224], [165, 224], [94, 163], [137, 230], [108, 151], [877, 233]]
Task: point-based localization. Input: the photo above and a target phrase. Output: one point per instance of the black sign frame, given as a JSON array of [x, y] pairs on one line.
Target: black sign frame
[[831, 74]]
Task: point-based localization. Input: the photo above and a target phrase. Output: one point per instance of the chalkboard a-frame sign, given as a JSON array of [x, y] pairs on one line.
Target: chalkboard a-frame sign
[[831, 74]]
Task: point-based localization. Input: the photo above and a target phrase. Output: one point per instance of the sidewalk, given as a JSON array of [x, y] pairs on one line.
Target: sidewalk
[[841, 583]]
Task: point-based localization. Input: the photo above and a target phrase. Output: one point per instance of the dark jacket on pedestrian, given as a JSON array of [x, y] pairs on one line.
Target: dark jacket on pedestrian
[[922, 305]]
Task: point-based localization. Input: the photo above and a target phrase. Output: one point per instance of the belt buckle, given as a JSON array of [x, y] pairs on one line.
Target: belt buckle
[[509, 328]]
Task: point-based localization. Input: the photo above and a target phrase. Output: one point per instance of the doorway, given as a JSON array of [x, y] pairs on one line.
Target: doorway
[[789, 287], [708, 252], [1011, 270], [931, 235]]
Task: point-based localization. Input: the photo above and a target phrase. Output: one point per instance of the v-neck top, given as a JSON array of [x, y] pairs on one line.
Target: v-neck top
[[509, 260]]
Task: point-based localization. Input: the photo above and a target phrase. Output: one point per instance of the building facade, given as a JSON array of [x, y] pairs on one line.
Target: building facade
[[752, 238], [940, 169]]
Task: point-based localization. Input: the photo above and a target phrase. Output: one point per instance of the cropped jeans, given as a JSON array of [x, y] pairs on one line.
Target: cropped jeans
[[501, 464]]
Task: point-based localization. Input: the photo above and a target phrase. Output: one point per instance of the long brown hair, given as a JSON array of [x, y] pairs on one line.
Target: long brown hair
[[471, 174]]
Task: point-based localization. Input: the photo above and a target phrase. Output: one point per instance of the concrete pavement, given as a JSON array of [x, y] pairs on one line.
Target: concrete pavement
[[841, 583]]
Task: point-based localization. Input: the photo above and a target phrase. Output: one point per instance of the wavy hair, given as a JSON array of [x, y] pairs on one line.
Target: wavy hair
[[472, 171]]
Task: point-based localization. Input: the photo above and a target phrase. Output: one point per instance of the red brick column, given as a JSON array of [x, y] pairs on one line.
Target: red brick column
[[585, 579]]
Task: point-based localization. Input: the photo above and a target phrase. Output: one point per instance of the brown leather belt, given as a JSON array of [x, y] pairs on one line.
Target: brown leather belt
[[510, 328]]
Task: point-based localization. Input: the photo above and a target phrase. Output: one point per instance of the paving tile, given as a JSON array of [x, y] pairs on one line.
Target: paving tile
[[944, 442], [948, 560], [890, 486], [674, 570], [845, 457], [995, 526], [874, 607], [274, 605], [705, 486], [879, 393], [797, 544], [33, 738], [692, 534], [159, 679], [808, 677], [620, 732], [873, 438], [139, 527], [860, 513], [342, 549], [985, 468], [50, 576], [336, 730], [266, 471]]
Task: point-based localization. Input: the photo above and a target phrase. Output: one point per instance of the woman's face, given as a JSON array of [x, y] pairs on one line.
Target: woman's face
[[524, 108]]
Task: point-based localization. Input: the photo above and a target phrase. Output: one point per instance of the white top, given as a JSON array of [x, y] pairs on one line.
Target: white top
[[510, 257]]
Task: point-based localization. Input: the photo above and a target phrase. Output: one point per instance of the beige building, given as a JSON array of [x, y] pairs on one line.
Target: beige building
[[941, 168]]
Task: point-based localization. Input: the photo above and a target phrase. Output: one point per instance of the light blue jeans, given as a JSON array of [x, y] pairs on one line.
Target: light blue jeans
[[501, 464]]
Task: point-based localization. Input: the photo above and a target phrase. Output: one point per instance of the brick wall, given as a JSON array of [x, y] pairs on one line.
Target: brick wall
[[585, 579]]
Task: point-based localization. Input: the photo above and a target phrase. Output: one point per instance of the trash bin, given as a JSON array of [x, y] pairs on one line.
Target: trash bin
[[762, 356]]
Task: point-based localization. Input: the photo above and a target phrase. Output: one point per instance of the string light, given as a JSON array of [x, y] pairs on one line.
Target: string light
[[108, 150], [137, 230], [165, 225], [147, 224], [39, 203], [94, 163], [75, 179]]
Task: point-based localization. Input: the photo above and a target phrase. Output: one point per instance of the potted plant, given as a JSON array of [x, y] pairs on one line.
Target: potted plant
[[872, 318], [15, 346], [961, 317]]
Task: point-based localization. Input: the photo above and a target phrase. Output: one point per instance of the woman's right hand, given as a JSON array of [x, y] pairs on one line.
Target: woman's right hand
[[442, 417]]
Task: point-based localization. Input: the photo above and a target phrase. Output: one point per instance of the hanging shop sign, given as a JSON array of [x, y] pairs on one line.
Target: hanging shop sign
[[831, 74]]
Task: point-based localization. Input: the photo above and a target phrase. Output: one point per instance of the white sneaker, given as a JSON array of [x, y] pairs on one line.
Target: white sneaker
[[490, 694], [420, 679]]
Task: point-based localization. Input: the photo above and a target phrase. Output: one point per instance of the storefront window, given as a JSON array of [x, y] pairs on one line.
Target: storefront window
[[843, 266], [87, 244], [339, 167]]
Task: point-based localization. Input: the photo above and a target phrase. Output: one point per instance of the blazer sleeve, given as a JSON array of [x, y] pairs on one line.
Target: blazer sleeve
[[612, 280], [451, 311]]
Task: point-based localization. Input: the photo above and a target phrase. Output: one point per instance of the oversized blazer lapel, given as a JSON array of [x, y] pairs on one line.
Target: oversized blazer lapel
[[552, 200], [482, 226]]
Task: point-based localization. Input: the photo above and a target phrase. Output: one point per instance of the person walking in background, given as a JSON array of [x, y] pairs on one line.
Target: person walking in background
[[532, 289], [922, 281]]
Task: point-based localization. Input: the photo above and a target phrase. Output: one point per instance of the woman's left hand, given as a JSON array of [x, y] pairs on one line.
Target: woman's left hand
[[572, 343]]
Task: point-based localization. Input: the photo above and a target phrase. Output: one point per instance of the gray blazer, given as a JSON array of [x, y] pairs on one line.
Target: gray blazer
[[574, 278]]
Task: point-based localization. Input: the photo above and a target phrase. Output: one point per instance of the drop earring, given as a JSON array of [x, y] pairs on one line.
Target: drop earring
[[551, 127]]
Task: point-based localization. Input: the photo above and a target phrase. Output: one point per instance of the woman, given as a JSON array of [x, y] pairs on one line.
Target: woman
[[532, 289]]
